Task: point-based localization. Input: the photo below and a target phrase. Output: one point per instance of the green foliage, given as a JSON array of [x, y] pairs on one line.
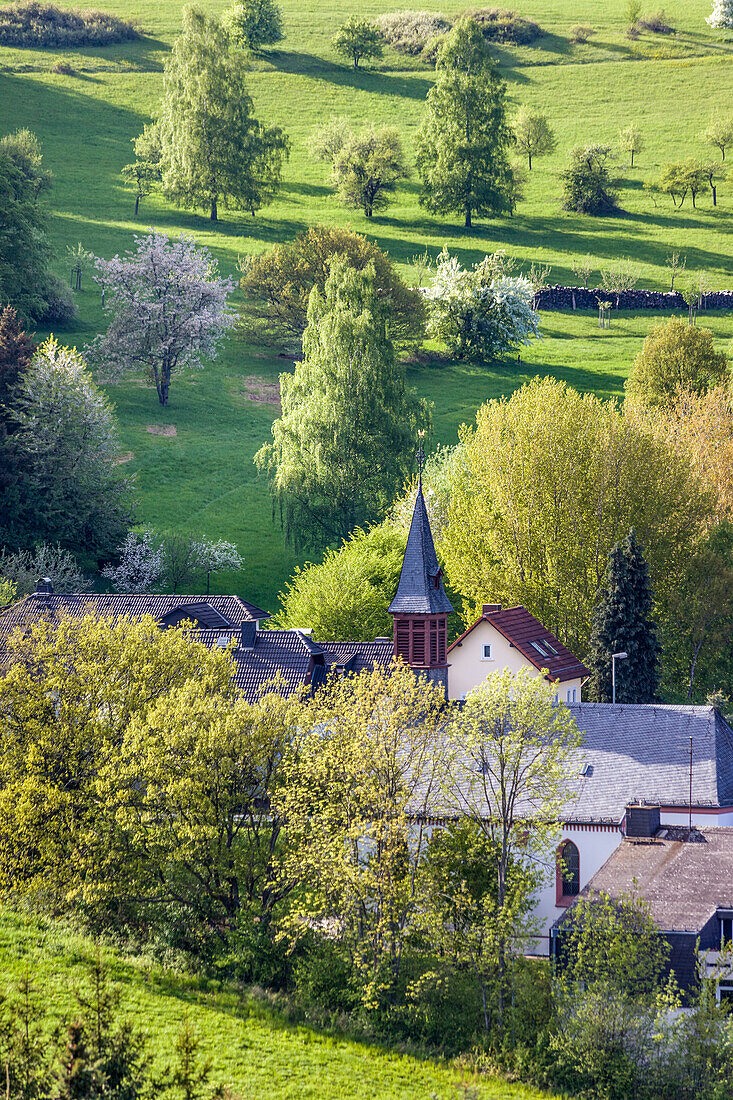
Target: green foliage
[[409, 32], [278, 283], [631, 141], [24, 247], [365, 166], [503, 25], [145, 173], [212, 148], [682, 178], [462, 144], [358, 39], [719, 133], [533, 135], [32, 23], [483, 312], [546, 484], [346, 595], [343, 444], [25, 567], [67, 489], [622, 623], [254, 23], [587, 185], [676, 358]]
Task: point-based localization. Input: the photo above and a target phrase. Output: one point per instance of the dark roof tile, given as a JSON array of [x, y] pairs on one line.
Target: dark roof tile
[[417, 593], [520, 629]]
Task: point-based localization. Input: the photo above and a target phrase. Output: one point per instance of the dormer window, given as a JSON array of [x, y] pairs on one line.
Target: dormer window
[[486, 652], [725, 921]]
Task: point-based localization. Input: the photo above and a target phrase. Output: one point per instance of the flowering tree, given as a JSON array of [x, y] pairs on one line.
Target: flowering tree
[[148, 561], [169, 309], [482, 312], [722, 14]]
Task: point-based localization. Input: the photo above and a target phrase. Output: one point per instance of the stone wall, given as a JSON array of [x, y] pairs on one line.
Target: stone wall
[[576, 297]]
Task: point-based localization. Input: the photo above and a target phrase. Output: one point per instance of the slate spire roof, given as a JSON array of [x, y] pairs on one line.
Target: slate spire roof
[[420, 591]]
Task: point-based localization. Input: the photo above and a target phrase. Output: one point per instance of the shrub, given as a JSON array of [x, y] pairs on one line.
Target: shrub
[[59, 307], [656, 22], [411, 31], [587, 185], [36, 24], [430, 54], [63, 68], [581, 32], [504, 25], [675, 357]]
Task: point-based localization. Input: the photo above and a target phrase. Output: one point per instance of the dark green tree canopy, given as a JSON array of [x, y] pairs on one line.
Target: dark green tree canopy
[[212, 148], [622, 624], [462, 145], [254, 23], [587, 184], [343, 445], [24, 248]]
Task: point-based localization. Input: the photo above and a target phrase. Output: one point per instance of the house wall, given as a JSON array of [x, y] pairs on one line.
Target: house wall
[[595, 843], [468, 668]]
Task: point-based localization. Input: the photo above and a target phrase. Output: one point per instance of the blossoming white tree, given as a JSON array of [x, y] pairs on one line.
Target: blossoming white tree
[[150, 561], [722, 14], [169, 309], [484, 311]]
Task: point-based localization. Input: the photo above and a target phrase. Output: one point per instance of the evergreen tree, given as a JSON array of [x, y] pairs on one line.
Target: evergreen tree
[[343, 444], [212, 148], [75, 1079], [462, 145], [622, 623]]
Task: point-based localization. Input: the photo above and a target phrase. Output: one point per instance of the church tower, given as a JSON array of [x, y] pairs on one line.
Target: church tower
[[421, 608]]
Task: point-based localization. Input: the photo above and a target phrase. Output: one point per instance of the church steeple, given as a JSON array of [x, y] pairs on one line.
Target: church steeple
[[421, 607]]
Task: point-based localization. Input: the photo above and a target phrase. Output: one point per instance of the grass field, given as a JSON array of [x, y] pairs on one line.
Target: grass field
[[202, 479], [254, 1049]]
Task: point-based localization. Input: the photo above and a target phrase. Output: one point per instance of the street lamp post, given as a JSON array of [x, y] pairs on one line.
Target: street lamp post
[[614, 657]]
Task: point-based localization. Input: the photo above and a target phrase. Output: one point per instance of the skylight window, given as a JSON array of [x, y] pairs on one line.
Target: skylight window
[[542, 652], [549, 645]]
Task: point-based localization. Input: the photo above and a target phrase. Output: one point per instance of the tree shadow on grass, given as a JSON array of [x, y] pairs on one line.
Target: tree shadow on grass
[[296, 63]]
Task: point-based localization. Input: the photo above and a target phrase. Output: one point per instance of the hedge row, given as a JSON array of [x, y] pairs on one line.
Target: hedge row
[[36, 24]]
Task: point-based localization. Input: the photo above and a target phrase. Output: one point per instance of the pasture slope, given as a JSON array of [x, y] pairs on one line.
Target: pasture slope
[[253, 1048], [201, 479]]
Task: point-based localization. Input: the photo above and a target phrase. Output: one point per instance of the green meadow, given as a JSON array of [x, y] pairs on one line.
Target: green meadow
[[193, 460], [255, 1047]]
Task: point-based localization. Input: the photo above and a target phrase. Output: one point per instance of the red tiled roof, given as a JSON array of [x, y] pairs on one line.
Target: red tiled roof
[[521, 629]]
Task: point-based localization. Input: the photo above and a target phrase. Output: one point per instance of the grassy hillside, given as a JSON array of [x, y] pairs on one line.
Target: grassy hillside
[[253, 1048], [202, 479]]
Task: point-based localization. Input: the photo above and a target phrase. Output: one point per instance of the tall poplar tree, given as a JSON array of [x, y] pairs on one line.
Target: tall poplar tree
[[212, 148], [343, 445], [462, 145], [622, 623]]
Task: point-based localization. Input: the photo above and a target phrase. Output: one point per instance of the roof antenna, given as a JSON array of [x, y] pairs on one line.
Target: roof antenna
[[690, 819], [420, 459]]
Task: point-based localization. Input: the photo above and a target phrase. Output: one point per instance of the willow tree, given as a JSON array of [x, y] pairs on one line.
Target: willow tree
[[212, 148], [343, 445], [462, 145]]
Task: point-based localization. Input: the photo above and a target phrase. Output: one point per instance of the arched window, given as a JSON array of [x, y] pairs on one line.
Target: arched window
[[567, 878]]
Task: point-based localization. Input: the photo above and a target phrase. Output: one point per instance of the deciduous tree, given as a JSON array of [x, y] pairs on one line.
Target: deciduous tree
[[212, 148], [68, 489], [254, 23], [278, 284], [587, 184], [463, 142], [631, 141], [512, 752], [359, 40], [343, 443], [675, 358], [622, 623], [145, 173], [545, 485], [719, 133], [722, 14], [483, 312], [169, 309], [26, 567], [365, 166], [369, 760], [533, 134]]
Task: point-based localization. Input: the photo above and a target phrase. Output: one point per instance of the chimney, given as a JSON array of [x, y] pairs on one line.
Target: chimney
[[642, 821], [44, 586], [490, 608], [248, 633]]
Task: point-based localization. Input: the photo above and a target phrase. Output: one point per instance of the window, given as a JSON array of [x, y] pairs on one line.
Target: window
[[574, 694], [540, 649], [567, 879], [726, 931], [725, 993], [549, 646], [486, 651], [568, 698]]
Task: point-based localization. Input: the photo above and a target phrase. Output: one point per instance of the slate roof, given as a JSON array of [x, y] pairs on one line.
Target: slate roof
[[293, 659], [641, 753], [521, 629], [683, 881], [417, 593]]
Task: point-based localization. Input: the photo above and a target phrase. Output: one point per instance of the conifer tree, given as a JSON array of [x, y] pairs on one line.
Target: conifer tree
[[462, 145], [622, 623], [343, 445], [212, 148]]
